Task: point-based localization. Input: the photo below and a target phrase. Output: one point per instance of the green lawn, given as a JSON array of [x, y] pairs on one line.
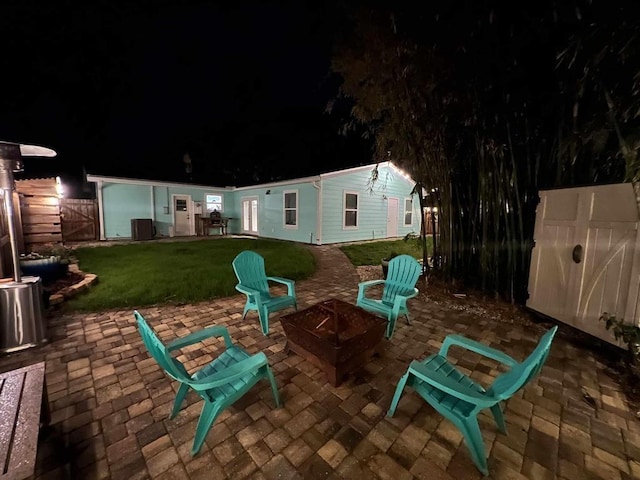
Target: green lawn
[[370, 253], [136, 275]]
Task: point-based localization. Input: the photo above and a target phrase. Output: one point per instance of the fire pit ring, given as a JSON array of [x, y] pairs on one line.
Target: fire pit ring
[[335, 336]]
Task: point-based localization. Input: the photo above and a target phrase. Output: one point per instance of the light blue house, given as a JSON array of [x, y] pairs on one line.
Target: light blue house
[[334, 207]]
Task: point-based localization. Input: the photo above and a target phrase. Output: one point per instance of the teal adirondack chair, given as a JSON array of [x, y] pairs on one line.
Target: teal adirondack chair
[[254, 283], [220, 383], [460, 399], [399, 286]]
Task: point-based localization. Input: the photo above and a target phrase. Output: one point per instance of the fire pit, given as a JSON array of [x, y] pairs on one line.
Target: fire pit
[[334, 335]]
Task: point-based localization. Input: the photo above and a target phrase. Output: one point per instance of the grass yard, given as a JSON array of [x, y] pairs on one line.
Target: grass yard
[[136, 275], [370, 253]]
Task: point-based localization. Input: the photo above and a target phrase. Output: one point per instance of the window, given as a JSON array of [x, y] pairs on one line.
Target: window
[[181, 205], [213, 202], [350, 210], [290, 199], [408, 212]]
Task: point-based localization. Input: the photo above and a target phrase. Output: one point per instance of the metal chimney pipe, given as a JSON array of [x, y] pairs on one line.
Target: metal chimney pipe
[[15, 255], [22, 321], [10, 161]]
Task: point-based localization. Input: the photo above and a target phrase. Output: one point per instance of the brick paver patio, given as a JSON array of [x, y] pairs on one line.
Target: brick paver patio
[[110, 403]]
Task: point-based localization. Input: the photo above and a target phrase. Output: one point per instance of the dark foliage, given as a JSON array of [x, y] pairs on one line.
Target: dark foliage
[[486, 103]]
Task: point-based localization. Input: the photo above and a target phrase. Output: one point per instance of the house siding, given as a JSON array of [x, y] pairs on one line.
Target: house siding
[[320, 205], [271, 211], [162, 201], [372, 205], [122, 202], [197, 194]]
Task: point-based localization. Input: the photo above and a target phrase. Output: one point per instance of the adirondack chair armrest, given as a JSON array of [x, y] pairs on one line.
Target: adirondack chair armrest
[[196, 337], [400, 300], [250, 291], [447, 385], [285, 281], [362, 286], [477, 347], [399, 297], [230, 374]]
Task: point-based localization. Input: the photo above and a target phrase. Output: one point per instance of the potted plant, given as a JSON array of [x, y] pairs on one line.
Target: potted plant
[[49, 263], [385, 262]]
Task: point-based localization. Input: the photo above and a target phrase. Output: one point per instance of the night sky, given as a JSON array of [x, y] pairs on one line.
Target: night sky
[[127, 88]]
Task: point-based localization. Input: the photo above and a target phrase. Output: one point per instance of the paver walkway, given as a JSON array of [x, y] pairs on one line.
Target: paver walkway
[[110, 403]]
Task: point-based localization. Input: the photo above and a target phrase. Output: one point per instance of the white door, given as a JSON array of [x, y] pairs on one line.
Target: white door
[[392, 217], [182, 217], [250, 215], [584, 256]]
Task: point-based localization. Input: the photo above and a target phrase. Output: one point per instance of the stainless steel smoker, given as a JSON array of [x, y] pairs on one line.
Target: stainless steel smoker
[[22, 314]]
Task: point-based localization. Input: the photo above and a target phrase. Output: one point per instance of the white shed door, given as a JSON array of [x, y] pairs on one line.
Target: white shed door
[[181, 215], [584, 261], [392, 217]]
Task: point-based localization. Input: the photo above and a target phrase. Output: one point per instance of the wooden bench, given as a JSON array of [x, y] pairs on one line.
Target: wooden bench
[[23, 407]]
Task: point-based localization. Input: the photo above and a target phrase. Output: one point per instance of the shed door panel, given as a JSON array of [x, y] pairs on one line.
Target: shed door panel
[[603, 220], [551, 279], [551, 261], [606, 277]]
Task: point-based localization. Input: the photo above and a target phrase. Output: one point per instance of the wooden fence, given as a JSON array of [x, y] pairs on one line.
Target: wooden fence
[[79, 219], [429, 222], [39, 211]]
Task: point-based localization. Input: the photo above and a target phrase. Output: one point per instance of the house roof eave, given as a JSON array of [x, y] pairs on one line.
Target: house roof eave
[[155, 183]]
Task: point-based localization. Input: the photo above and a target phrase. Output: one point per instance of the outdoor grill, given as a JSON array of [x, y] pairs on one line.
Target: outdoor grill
[[22, 322]]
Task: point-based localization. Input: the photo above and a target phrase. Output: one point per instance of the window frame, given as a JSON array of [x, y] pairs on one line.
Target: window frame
[[285, 208], [344, 210], [175, 204], [205, 209], [404, 215]]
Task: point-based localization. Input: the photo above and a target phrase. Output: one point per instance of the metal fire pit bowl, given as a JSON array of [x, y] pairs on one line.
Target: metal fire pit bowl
[[335, 336]]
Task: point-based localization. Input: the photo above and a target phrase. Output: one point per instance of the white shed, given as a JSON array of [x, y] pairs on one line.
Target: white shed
[[584, 261]]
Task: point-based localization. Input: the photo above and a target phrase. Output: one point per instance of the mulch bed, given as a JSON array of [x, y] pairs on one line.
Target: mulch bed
[[55, 286]]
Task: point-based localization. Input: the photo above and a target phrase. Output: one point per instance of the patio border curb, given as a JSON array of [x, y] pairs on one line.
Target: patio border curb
[[72, 290]]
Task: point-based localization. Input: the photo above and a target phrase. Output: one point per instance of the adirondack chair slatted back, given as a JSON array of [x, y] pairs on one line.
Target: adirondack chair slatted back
[[249, 268], [510, 382], [404, 271], [159, 352]]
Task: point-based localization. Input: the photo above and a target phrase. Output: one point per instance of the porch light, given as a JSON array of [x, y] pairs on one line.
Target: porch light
[[59, 187]]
